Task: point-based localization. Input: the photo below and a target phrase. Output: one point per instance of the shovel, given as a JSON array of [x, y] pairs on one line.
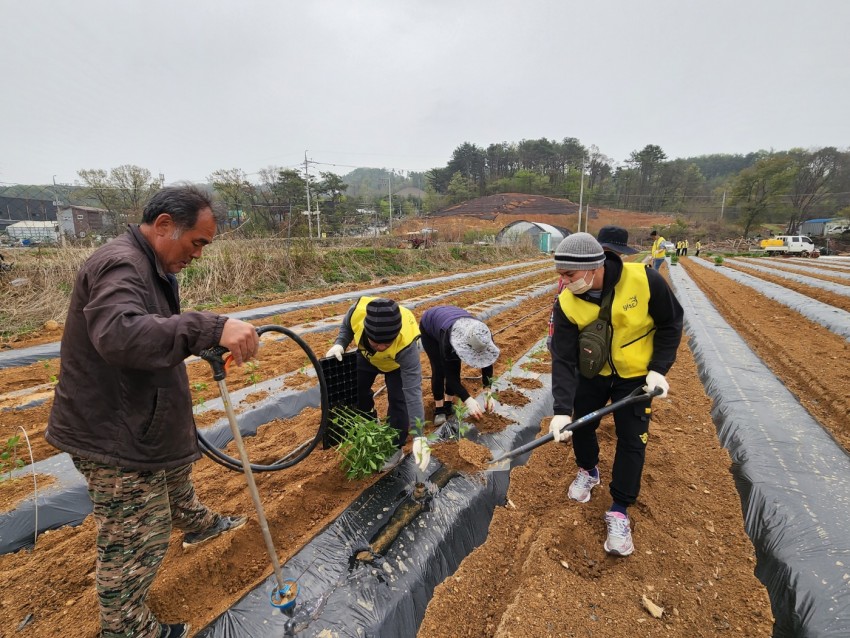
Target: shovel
[[503, 462], [284, 596]]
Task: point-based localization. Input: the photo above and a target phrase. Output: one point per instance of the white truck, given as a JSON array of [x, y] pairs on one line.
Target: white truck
[[789, 245]]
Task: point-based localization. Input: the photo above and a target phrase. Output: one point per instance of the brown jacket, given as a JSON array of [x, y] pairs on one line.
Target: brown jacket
[[123, 394]]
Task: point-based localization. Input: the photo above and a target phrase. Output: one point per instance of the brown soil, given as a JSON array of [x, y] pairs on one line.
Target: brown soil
[[526, 382], [542, 571], [509, 396], [449, 454], [13, 491], [477, 455]]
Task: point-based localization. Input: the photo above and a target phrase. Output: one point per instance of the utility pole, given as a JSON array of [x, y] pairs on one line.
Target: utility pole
[[581, 195], [307, 186], [56, 203], [390, 184], [723, 204]]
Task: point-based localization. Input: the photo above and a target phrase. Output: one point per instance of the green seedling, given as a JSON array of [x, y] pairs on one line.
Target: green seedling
[[461, 411], [199, 386], [718, 260], [54, 379], [251, 371], [9, 458], [303, 368], [365, 443]]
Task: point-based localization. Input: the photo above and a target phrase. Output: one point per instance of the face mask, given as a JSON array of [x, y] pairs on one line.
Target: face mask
[[579, 286]]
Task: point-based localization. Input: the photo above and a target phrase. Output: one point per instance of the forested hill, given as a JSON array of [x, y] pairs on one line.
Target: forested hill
[[762, 186]]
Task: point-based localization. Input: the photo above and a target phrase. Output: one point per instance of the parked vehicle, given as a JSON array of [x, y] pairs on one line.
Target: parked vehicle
[[789, 245]]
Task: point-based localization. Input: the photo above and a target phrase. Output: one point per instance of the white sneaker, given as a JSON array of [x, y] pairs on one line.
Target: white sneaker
[[619, 541], [582, 485]]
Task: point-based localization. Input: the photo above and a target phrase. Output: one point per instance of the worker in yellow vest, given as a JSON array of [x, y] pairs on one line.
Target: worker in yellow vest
[[385, 335], [685, 246], [658, 251], [698, 247], [645, 331]]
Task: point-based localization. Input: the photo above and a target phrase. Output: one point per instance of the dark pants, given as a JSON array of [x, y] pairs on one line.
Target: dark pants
[[440, 369], [631, 424], [366, 374], [134, 512]]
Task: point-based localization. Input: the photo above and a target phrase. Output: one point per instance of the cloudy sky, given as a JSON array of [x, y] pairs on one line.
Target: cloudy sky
[[190, 86]]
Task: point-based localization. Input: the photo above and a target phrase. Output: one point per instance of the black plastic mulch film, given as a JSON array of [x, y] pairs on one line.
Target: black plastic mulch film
[[793, 478], [340, 595]]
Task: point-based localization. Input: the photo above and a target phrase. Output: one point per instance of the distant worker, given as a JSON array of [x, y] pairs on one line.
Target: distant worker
[[123, 409], [698, 247], [679, 246], [658, 252], [385, 335], [451, 336], [646, 328], [685, 245]]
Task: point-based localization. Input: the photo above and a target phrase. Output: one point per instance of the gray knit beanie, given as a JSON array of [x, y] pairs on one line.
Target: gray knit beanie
[[579, 251]]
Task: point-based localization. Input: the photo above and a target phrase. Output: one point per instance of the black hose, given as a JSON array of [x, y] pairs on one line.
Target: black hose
[[300, 452]]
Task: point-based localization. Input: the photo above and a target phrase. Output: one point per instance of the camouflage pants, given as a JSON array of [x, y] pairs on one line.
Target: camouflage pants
[[134, 512]]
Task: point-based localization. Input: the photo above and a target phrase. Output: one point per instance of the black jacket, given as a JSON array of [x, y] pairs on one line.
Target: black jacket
[[666, 313]]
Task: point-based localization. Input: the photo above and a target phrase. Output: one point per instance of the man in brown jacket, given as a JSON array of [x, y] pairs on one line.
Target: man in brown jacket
[[123, 409]]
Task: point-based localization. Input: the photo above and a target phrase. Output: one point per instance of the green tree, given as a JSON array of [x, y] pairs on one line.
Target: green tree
[[760, 187], [235, 190], [123, 191], [815, 172]]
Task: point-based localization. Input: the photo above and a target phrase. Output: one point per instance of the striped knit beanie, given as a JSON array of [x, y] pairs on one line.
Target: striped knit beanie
[[383, 320], [579, 251]]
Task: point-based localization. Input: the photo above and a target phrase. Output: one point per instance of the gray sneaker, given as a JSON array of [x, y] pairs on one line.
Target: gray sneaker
[[581, 487], [619, 541], [225, 524], [393, 461]]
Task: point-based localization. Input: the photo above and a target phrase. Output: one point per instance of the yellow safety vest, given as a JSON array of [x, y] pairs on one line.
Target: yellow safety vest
[[631, 344], [384, 361], [658, 251]]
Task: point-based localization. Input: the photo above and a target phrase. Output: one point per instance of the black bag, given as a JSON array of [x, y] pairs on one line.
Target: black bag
[[594, 341]]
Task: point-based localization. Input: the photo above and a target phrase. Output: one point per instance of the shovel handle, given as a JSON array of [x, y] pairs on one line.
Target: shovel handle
[[635, 396]]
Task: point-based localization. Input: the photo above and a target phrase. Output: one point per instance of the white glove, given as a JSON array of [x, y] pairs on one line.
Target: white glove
[[473, 408], [421, 452], [490, 403], [335, 351], [656, 380], [559, 421]]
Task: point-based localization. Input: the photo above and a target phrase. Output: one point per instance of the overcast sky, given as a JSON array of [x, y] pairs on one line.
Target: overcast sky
[[187, 87]]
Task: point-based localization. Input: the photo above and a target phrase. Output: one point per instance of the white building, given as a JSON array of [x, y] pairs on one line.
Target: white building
[[27, 231]]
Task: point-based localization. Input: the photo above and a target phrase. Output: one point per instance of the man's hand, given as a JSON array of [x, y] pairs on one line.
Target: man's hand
[[558, 422], [335, 351], [241, 338], [421, 452], [656, 380]]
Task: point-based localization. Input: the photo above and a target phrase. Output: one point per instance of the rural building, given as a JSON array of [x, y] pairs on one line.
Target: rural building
[[17, 209], [825, 226], [84, 221], [33, 231], [546, 236]]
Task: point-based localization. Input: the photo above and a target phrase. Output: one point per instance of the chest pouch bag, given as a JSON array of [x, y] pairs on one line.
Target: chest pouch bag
[[594, 341]]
